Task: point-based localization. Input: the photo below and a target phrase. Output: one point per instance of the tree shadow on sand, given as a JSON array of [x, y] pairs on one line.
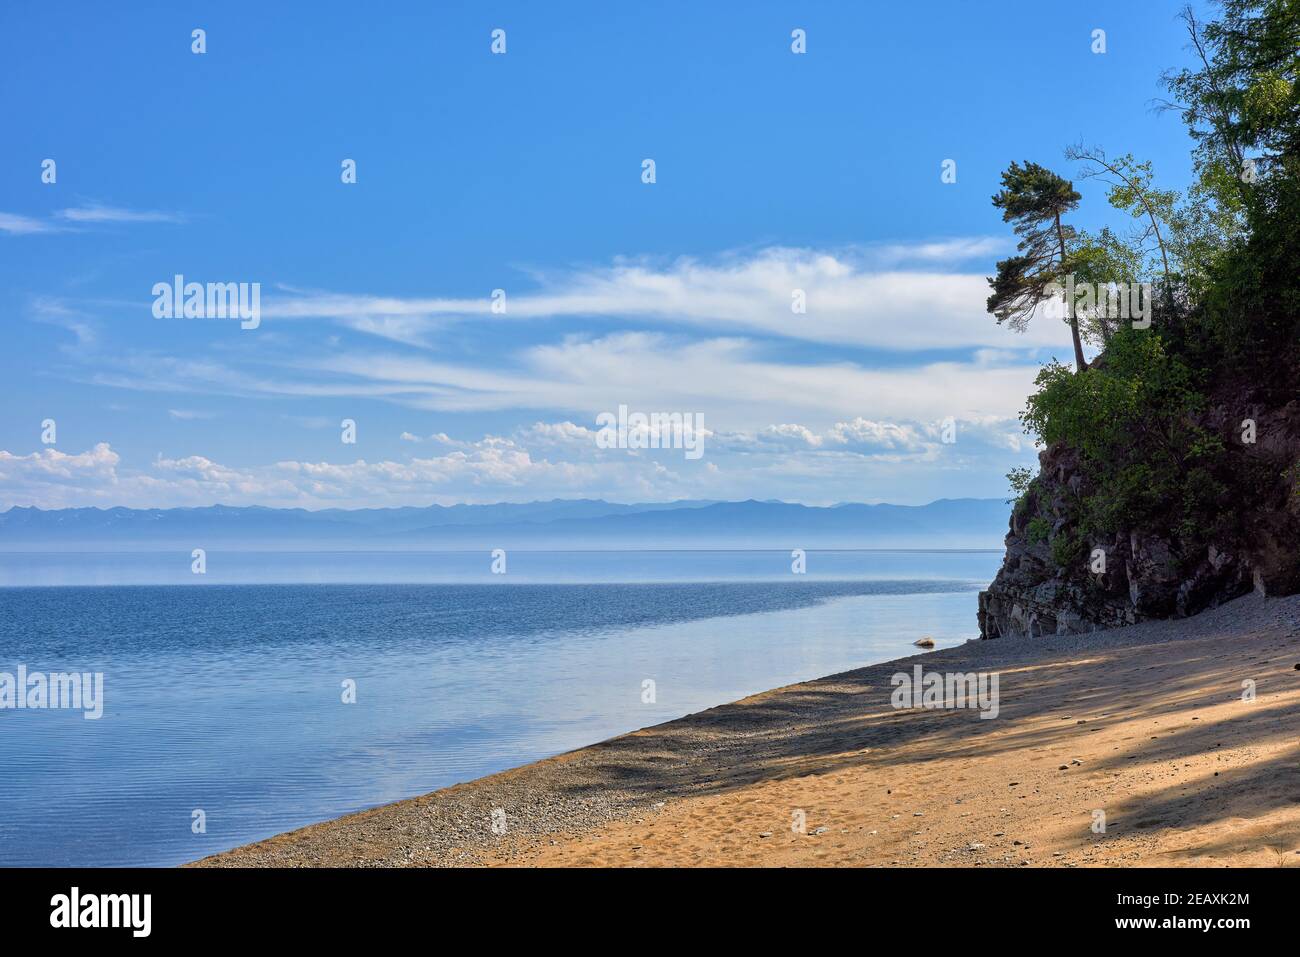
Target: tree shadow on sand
[[1047, 704]]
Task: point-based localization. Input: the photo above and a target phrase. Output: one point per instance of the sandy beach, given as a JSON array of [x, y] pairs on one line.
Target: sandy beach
[[1146, 725]]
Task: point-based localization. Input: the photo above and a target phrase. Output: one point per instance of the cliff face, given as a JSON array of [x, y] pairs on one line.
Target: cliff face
[[1046, 589]]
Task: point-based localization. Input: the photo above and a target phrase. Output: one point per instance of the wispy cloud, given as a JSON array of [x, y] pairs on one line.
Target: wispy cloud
[[101, 213], [730, 380], [57, 312], [17, 225], [711, 338], [901, 296], [736, 383]]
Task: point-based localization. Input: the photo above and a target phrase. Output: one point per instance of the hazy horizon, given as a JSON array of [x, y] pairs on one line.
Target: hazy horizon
[[685, 502]]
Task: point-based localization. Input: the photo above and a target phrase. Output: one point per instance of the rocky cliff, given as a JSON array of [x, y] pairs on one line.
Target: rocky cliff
[[1053, 581]]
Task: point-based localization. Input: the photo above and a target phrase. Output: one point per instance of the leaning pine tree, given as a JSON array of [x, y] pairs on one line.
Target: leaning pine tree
[[1034, 199]]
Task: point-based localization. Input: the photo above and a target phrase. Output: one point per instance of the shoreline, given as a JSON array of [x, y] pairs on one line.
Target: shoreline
[[1158, 740]]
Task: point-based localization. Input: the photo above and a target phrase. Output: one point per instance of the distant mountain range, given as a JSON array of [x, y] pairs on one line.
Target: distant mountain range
[[566, 523]]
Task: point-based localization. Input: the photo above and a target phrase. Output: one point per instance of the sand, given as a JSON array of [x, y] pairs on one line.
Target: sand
[[1146, 725]]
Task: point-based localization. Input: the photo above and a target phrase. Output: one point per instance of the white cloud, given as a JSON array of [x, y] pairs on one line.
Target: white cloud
[[736, 384], [943, 251], [539, 461], [806, 418], [441, 438], [51, 479], [862, 297], [100, 213], [859, 435], [17, 225], [53, 465], [732, 382]]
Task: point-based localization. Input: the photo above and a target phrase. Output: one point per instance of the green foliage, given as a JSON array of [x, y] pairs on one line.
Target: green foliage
[[1094, 412], [1132, 419], [1250, 311], [1243, 94], [1101, 259], [1019, 479], [1238, 234], [1292, 478], [1034, 200], [1037, 530], [1206, 226], [1227, 328], [1069, 549], [1133, 191], [1104, 258], [1032, 194]]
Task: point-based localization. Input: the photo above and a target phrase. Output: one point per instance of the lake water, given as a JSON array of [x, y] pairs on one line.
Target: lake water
[[223, 692]]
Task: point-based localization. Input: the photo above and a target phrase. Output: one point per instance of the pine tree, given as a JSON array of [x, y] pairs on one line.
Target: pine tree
[[1034, 199]]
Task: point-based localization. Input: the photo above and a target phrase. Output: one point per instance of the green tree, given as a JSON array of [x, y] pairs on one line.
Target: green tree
[[1034, 199], [1244, 94], [1241, 103], [1101, 259], [1148, 429], [1211, 219], [1131, 190]]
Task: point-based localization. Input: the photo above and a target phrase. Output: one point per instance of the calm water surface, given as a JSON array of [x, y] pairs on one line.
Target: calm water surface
[[227, 697]]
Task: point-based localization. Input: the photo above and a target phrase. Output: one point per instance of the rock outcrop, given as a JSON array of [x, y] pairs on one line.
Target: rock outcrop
[[1051, 581]]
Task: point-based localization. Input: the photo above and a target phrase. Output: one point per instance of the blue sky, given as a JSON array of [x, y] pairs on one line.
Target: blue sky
[[523, 172]]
